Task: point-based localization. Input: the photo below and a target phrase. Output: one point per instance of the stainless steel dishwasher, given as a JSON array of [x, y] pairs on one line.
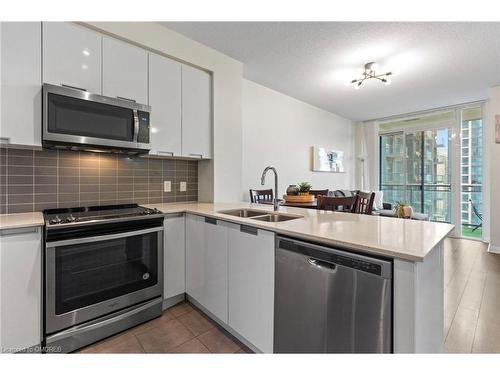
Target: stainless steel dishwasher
[[330, 301]]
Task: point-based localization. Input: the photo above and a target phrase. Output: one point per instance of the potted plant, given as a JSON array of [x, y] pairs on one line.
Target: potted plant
[[402, 210], [304, 188]]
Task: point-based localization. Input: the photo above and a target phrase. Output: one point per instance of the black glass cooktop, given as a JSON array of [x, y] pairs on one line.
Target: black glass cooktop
[[95, 213]]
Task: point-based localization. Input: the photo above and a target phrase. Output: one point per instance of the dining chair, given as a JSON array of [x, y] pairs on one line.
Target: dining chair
[[344, 204], [364, 203], [257, 196], [323, 192]]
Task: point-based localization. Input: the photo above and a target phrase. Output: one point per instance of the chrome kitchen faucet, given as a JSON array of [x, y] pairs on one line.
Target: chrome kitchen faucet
[[263, 181]]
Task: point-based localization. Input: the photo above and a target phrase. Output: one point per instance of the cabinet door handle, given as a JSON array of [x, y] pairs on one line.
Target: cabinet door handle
[[5, 140], [210, 220], [15, 231], [127, 99], [249, 230], [73, 87], [197, 155], [170, 216], [170, 153]]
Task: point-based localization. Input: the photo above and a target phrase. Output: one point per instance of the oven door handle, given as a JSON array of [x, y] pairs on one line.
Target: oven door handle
[[80, 240]]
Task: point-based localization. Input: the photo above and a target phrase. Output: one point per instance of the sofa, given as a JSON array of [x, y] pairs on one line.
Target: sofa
[[379, 207]]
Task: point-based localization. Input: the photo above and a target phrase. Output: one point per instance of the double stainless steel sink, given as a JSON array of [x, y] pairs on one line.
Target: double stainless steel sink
[[272, 217]]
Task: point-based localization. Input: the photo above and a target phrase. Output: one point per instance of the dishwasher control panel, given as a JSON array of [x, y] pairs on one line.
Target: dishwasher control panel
[[336, 257], [358, 264]]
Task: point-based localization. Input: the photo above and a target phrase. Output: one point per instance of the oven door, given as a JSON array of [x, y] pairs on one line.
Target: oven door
[[90, 277], [76, 117]]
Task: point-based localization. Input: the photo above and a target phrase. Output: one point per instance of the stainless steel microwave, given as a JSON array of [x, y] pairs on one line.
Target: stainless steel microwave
[[77, 119]]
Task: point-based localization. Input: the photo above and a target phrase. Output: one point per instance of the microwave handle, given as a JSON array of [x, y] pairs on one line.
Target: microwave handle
[[127, 99], [73, 87], [136, 125]]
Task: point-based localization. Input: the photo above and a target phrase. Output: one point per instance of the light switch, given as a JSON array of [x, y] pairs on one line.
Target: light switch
[[183, 186], [167, 186]]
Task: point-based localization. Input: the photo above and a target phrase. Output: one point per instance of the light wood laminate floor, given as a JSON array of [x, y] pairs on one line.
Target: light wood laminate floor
[[472, 314], [471, 298]]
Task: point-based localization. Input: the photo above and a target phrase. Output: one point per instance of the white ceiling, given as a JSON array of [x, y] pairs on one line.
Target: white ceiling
[[435, 64]]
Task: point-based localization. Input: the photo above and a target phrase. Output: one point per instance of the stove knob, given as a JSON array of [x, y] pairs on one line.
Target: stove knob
[[56, 220], [68, 219]]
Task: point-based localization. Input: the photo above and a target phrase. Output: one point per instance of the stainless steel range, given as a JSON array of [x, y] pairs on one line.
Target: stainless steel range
[[103, 272]]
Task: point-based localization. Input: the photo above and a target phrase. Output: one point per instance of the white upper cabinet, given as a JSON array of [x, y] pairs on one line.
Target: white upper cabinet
[[251, 284], [196, 113], [72, 56], [20, 288], [124, 71], [21, 70], [165, 101], [174, 256]]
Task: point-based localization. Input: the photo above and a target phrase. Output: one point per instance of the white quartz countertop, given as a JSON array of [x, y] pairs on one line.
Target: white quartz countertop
[[23, 220], [396, 238], [385, 236]]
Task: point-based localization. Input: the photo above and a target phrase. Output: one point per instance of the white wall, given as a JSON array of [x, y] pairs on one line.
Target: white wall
[[491, 173], [220, 178], [279, 131]]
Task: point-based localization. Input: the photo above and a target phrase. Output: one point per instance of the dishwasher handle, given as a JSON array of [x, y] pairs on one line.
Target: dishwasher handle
[[321, 264]]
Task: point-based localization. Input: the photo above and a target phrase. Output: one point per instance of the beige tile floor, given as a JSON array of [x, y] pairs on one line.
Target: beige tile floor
[[472, 314], [180, 329]]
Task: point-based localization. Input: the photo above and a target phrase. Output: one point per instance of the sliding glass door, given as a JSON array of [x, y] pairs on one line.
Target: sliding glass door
[[434, 163], [415, 169], [392, 167]]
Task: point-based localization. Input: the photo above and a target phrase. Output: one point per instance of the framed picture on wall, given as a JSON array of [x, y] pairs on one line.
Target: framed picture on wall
[[326, 160]]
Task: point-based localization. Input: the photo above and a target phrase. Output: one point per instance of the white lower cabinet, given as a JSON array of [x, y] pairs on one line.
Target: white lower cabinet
[[251, 284], [206, 263], [20, 289], [174, 256], [230, 272]]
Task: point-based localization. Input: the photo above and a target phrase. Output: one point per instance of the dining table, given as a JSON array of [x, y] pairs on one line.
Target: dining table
[[313, 204]]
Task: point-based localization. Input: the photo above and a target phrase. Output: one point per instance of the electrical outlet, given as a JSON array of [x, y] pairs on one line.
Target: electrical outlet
[[167, 186], [183, 186]]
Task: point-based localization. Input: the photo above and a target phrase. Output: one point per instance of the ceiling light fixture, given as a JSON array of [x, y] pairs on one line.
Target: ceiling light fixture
[[370, 73]]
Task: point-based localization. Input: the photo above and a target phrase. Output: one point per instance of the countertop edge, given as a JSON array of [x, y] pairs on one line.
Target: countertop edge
[[21, 220], [35, 219], [308, 237]]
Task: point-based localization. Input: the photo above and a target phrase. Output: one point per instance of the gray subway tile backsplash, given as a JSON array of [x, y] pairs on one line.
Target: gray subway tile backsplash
[[32, 180]]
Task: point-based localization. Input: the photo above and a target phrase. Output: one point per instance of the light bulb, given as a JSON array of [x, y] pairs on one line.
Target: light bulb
[[374, 66]]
